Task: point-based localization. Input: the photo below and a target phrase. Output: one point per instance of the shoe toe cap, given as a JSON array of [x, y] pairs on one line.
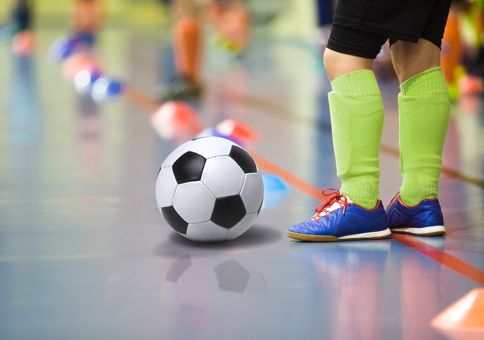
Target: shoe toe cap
[[306, 227]]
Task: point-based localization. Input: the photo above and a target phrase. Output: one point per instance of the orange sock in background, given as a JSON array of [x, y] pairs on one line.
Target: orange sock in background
[[235, 26], [187, 40], [451, 48], [231, 23], [87, 16]]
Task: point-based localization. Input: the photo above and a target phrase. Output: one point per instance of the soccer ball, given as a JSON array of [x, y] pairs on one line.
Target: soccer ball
[[209, 190]]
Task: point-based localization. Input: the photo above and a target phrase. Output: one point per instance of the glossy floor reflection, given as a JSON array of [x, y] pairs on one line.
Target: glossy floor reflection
[[85, 254]]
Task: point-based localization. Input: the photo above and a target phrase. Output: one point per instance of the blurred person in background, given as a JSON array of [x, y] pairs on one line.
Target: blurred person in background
[[230, 20], [87, 18]]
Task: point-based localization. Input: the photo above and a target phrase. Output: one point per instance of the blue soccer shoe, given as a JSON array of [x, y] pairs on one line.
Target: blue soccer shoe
[[339, 219], [424, 219]]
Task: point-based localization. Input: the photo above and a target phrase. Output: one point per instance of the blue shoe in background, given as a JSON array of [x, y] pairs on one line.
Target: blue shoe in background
[[339, 219], [424, 219]]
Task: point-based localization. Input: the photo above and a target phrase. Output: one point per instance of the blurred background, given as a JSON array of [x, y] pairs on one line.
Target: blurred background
[[94, 95]]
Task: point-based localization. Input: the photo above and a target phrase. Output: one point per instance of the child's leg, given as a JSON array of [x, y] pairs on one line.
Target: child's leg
[[187, 48], [187, 37], [424, 117], [356, 109], [187, 41], [357, 115]]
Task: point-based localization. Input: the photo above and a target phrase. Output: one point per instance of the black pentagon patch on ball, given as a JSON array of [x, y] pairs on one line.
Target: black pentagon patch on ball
[[178, 268], [232, 277], [188, 168], [243, 159], [228, 211], [174, 220]]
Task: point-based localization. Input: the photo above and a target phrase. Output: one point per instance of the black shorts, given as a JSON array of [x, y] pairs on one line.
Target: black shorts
[[361, 27]]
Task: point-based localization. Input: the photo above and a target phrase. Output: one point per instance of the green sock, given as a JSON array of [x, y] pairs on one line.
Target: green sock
[[424, 117], [357, 117]]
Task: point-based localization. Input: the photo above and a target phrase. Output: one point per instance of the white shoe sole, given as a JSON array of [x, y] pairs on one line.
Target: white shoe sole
[[427, 231], [374, 234]]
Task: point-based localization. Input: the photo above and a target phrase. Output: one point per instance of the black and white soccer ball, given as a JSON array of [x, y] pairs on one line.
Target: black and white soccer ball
[[209, 190]]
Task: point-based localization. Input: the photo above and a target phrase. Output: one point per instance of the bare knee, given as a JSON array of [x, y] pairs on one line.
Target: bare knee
[[338, 64], [410, 59]]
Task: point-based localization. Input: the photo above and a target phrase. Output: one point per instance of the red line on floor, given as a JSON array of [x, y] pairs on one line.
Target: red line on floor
[[291, 179], [139, 99], [451, 262]]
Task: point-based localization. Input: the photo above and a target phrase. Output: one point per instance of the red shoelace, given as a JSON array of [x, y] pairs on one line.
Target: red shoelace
[[335, 197]]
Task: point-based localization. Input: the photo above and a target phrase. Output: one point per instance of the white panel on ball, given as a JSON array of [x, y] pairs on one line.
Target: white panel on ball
[[165, 187], [211, 146], [252, 192], [193, 202], [242, 226], [176, 154], [206, 232], [223, 176]]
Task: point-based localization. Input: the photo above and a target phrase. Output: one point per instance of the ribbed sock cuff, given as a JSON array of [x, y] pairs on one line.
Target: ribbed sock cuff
[[359, 83], [412, 194], [362, 192], [427, 82]]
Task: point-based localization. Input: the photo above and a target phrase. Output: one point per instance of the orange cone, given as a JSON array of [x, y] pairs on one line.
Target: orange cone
[[238, 130], [175, 118], [464, 319]]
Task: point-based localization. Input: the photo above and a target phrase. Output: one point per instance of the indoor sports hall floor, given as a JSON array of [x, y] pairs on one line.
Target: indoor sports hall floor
[[85, 253]]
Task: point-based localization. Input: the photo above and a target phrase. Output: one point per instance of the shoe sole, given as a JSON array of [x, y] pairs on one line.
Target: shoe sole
[[318, 238], [426, 231]]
